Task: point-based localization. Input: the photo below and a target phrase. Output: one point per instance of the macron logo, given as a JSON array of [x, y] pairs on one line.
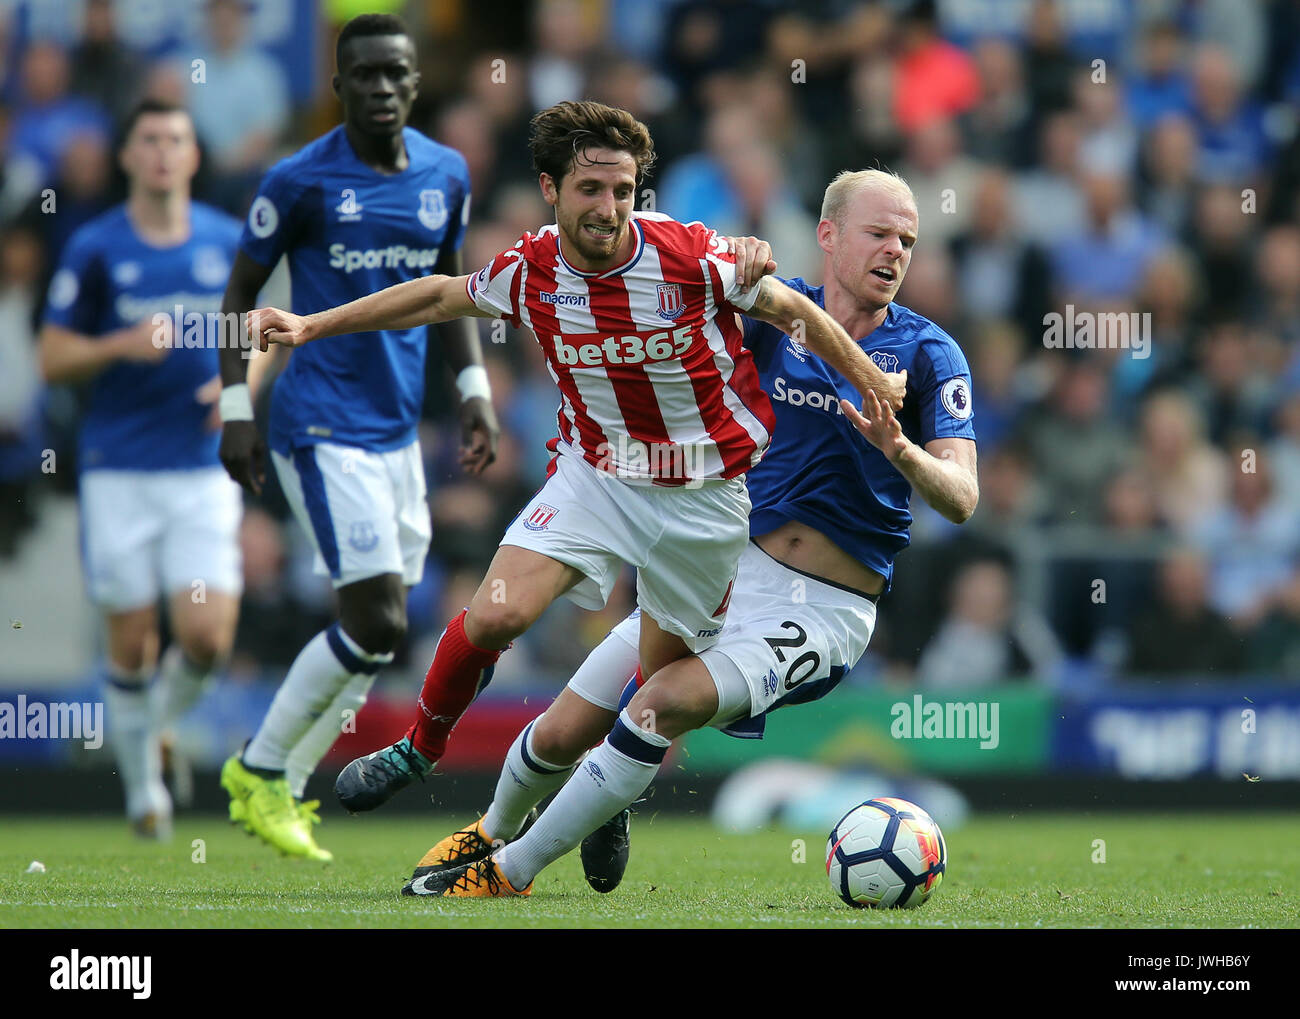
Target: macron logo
[[75, 972], [564, 300]]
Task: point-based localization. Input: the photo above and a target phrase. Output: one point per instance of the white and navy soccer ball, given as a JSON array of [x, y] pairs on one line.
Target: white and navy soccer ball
[[885, 852]]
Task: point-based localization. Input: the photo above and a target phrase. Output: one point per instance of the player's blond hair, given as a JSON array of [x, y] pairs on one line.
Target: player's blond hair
[[848, 183]]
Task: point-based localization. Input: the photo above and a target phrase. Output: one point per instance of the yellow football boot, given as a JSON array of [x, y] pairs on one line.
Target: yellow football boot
[[266, 808]]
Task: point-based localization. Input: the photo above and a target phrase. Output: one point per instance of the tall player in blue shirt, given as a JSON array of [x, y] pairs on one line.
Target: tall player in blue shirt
[[368, 205], [830, 512], [158, 515]]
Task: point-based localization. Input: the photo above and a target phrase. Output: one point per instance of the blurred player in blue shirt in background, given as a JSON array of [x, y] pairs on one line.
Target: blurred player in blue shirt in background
[[132, 313], [368, 205]]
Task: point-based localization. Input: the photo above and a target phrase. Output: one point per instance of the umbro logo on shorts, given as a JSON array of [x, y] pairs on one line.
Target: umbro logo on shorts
[[539, 518]]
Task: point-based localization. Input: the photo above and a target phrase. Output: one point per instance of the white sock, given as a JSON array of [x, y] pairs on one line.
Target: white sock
[[525, 781], [611, 778], [309, 750], [315, 678], [132, 723], [181, 684]]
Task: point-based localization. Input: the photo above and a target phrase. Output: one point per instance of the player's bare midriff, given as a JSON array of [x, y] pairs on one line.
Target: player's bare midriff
[[805, 548]]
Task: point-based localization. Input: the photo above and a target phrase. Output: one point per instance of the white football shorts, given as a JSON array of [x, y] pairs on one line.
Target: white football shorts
[[151, 533], [788, 639], [683, 542], [367, 513]]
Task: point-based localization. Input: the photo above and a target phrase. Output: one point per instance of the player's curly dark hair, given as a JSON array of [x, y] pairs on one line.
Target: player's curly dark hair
[[368, 24], [562, 133]]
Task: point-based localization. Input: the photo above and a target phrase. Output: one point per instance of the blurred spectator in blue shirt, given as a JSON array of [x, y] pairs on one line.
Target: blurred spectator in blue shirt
[[1108, 258], [695, 187], [82, 190], [1161, 85], [48, 117], [1169, 294], [1251, 544], [1049, 200], [238, 98], [1284, 451], [1233, 144], [1110, 139]]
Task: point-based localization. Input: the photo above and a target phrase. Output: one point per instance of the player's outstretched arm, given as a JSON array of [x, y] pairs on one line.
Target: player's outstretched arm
[[792, 313], [943, 473], [424, 301]]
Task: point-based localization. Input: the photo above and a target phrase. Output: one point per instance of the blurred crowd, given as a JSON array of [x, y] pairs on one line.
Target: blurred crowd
[[1139, 515]]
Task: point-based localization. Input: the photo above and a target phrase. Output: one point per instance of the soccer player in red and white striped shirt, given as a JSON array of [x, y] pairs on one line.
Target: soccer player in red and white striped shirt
[[660, 416], [618, 341]]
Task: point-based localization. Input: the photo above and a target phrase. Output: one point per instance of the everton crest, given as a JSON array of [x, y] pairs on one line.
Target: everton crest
[[433, 209], [885, 362]]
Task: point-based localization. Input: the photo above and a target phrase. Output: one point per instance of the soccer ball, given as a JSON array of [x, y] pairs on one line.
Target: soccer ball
[[885, 852]]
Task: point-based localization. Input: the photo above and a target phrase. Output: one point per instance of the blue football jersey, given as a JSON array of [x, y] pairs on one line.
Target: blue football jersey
[[348, 231], [819, 469], [146, 416]]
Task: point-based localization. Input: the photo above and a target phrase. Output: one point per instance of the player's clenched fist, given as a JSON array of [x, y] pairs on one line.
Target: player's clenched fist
[[243, 454], [892, 391], [271, 325], [753, 260]]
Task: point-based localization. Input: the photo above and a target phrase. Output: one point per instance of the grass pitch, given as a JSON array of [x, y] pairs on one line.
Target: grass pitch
[[1220, 870]]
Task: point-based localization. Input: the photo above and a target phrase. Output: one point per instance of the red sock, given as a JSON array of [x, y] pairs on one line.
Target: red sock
[[451, 684]]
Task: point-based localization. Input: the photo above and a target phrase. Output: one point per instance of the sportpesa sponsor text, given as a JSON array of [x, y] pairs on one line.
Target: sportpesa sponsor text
[[395, 256], [782, 392]]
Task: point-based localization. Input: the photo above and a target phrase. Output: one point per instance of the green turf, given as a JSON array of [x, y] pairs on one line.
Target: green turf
[[1222, 870]]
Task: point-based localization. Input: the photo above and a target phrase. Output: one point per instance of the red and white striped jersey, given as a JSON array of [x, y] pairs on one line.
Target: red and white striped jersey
[[655, 384]]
